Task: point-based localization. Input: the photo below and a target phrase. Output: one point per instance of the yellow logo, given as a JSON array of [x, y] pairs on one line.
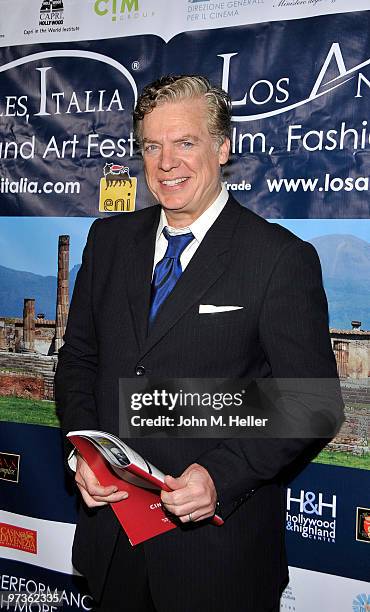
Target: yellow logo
[[117, 189]]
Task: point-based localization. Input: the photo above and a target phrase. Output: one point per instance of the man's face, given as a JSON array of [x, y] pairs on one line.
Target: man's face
[[181, 160]]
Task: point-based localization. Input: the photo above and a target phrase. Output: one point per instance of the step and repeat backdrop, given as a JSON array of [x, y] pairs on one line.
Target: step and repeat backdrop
[[298, 73]]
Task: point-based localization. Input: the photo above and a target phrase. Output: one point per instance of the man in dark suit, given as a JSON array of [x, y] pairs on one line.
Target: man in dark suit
[[235, 298]]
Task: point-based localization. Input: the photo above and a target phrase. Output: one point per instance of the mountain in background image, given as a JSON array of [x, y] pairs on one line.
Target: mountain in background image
[[345, 261], [15, 285]]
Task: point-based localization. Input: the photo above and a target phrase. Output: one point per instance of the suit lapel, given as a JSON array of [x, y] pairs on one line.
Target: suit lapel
[[206, 266], [139, 273]]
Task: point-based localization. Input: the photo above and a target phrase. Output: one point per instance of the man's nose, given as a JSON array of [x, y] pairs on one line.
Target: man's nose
[[168, 159]]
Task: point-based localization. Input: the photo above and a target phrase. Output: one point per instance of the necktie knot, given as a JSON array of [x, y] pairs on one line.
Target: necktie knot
[[176, 243]]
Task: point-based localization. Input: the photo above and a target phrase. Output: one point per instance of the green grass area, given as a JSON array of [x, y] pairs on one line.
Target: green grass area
[[41, 412], [359, 405], [361, 462], [16, 370], [31, 411]]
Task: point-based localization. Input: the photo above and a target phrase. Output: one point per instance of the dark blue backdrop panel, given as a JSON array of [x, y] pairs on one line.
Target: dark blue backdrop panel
[[344, 556], [44, 489]]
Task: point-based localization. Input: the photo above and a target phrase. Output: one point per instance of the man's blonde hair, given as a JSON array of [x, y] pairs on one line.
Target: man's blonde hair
[[176, 88]]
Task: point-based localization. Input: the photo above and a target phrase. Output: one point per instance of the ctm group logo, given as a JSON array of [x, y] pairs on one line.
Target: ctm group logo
[[51, 13], [117, 189], [311, 515], [361, 603], [118, 9], [18, 538]]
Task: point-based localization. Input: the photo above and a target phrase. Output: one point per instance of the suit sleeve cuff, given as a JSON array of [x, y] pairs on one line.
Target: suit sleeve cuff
[[72, 460], [228, 500]]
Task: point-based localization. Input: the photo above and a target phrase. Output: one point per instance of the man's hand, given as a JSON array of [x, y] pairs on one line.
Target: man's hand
[[192, 493], [92, 493]]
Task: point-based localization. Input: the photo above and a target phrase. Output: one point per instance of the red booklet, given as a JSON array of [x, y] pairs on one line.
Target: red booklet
[[115, 463]]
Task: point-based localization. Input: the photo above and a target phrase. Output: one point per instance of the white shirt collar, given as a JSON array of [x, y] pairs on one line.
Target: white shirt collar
[[200, 226]]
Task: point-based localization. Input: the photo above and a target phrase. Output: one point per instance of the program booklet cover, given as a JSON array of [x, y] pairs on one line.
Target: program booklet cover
[[113, 462]]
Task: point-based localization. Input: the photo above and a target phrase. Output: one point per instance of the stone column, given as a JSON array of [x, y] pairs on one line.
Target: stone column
[[3, 342], [29, 325], [62, 291]]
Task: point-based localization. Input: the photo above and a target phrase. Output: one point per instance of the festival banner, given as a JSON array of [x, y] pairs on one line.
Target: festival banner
[[300, 130]]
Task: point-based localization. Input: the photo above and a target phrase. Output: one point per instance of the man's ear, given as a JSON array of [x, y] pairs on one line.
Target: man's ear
[[224, 151]]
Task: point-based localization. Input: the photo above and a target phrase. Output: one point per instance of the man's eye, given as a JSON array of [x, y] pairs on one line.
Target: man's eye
[[150, 148], [187, 144]]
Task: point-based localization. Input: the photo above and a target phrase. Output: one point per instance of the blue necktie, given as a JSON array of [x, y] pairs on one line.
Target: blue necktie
[[167, 271]]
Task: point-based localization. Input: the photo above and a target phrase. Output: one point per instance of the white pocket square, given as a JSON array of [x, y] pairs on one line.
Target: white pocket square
[[210, 308]]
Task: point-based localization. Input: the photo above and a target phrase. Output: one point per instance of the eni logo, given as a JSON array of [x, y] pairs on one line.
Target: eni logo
[[103, 7], [117, 189]]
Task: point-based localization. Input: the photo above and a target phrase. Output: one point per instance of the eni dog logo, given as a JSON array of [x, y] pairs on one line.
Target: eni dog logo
[[117, 189]]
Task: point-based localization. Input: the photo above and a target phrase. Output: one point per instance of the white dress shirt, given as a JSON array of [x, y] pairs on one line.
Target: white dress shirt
[[198, 228]]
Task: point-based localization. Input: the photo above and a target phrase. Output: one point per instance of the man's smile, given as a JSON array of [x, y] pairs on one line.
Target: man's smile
[[173, 182]]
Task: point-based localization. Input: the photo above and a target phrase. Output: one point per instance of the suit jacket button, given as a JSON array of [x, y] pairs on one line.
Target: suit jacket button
[[140, 370]]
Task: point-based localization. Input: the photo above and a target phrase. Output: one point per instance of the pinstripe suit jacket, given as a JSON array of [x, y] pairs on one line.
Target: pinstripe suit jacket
[[282, 331]]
